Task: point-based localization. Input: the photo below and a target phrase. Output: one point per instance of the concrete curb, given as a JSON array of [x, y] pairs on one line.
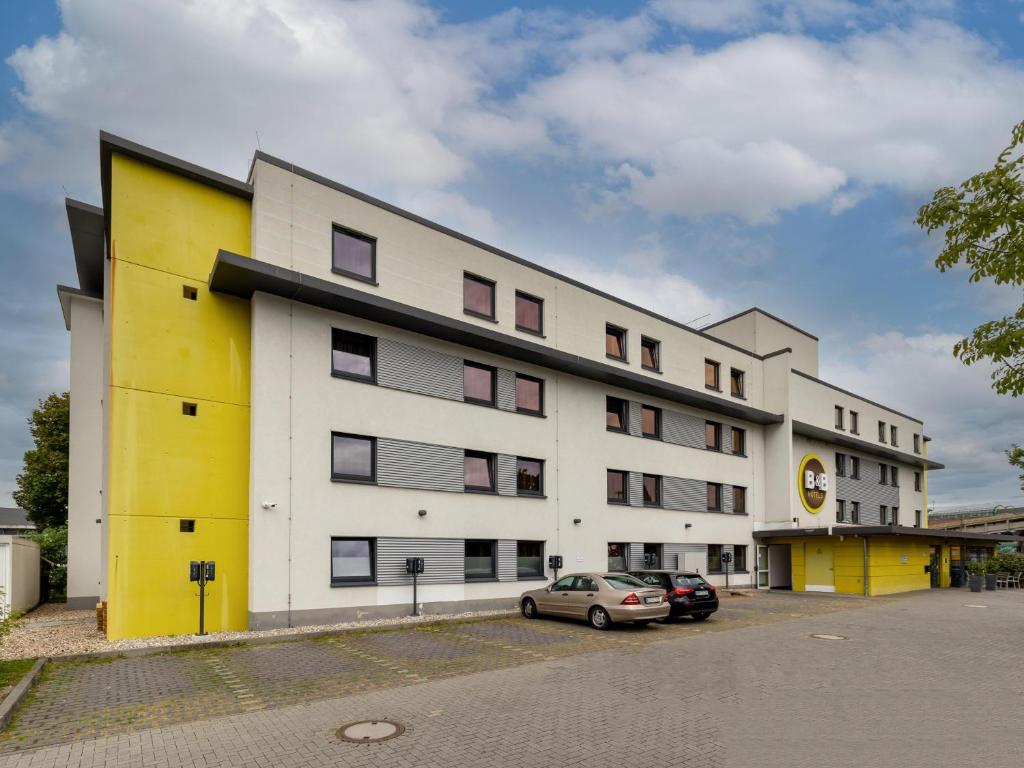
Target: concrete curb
[[17, 693]]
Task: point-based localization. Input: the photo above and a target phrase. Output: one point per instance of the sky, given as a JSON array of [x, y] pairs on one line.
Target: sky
[[697, 157]]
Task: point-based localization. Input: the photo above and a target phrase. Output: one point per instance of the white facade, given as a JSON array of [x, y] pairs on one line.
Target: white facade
[[19, 574]]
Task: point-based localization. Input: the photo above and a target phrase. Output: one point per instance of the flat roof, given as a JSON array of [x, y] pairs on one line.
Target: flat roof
[[867, 531], [862, 446], [86, 224], [854, 394], [769, 315]]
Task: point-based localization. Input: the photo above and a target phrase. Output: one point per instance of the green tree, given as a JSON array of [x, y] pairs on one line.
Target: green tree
[[53, 547], [983, 221], [1016, 458], [42, 486]]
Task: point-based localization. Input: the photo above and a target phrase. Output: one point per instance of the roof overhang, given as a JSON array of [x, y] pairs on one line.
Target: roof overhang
[[66, 293], [240, 276], [868, 531], [863, 446], [86, 224]]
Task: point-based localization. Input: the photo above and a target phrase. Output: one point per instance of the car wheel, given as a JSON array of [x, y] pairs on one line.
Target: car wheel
[[599, 618], [641, 624], [529, 609], [702, 616]]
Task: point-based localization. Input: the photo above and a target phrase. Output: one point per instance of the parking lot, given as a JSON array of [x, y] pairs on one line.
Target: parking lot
[[921, 679]]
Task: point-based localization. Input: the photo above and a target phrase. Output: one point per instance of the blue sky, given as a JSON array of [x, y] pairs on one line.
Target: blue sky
[[695, 156]]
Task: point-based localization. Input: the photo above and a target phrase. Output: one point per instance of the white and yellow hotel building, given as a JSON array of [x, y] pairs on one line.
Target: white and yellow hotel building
[[307, 385]]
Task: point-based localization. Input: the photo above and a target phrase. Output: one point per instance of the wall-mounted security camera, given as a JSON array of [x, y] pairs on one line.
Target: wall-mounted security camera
[[269, 505]]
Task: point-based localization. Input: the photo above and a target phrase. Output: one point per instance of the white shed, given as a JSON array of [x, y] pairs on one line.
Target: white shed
[[19, 574]]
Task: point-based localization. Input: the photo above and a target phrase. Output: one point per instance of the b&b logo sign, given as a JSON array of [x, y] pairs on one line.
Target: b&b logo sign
[[812, 483]]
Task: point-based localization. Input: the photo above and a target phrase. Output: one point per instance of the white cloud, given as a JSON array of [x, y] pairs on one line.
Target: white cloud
[[970, 425]]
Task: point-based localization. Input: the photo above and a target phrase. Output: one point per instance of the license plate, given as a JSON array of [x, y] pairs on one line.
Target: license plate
[[650, 600], [701, 593]]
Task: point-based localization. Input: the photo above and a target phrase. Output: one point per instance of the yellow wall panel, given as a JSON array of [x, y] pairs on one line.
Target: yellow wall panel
[[163, 342], [161, 220], [149, 592], [888, 573], [849, 564]]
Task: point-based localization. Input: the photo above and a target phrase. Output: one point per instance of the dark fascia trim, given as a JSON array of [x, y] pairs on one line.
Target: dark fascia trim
[[64, 294], [322, 180], [854, 394], [241, 276], [766, 314], [862, 446], [777, 352], [85, 223], [867, 531], [790, 533]]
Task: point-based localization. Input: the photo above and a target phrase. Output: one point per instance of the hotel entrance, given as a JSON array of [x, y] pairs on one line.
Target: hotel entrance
[[935, 565]]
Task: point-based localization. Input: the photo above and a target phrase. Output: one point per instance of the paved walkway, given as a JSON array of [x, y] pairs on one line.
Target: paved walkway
[[922, 680]]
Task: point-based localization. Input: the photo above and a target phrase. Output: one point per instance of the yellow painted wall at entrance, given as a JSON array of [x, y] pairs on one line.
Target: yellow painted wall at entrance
[[819, 563], [887, 571], [849, 565], [165, 349]]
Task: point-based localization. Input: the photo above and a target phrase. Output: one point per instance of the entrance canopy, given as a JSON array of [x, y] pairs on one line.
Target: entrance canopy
[[867, 531]]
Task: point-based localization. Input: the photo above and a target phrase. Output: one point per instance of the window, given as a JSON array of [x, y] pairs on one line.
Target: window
[[650, 419], [895, 515], [883, 514], [614, 342], [617, 414], [354, 255], [713, 435], [353, 457], [478, 383], [711, 369], [917, 518], [618, 487], [564, 584], [529, 394], [739, 441], [353, 355], [477, 296], [894, 436], [714, 497], [736, 387], [839, 418], [881, 431], [894, 477], [585, 584], [855, 512], [652, 556], [189, 409], [840, 511], [479, 559], [617, 560], [529, 477], [189, 292], [529, 313], [739, 557], [855, 467], [854, 423], [530, 559], [478, 471], [883, 474], [652, 490], [739, 500], [840, 465], [186, 526], [352, 560], [650, 354], [917, 443], [714, 558], [917, 481]]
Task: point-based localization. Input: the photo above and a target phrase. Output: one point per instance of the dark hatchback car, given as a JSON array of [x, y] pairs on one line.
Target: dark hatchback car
[[688, 593]]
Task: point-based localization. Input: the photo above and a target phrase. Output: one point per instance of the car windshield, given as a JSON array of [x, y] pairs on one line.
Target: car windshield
[[622, 581], [689, 581]]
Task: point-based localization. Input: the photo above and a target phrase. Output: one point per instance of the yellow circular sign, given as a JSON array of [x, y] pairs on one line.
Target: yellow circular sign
[[812, 483]]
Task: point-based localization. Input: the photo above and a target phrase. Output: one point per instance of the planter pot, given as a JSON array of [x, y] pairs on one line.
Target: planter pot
[[975, 582], [990, 581]]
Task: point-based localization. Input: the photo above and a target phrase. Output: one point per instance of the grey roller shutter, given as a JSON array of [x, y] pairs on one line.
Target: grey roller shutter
[[415, 369], [682, 429], [867, 490], [726, 438], [636, 489], [635, 423], [674, 553], [636, 556], [684, 493], [407, 464], [727, 500], [506, 474], [506, 389], [443, 560], [508, 569]]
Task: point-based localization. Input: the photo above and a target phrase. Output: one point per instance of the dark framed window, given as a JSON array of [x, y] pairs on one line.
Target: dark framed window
[[739, 441], [855, 512], [894, 476], [529, 394], [854, 423], [479, 383], [477, 296], [618, 486], [529, 477], [840, 424], [883, 474], [352, 560], [736, 383], [855, 467], [529, 313], [354, 254], [650, 353], [617, 556], [917, 518], [353, 457], [714, 558], [895, 516], [650, 421], [711, 374], [714, 497], [883, 515], [480, 559], [739, 557], [652, 490], [616, 414], [478, 471], [614, 342], [840, 511], [917, 481], [917, 443], [353, 355], [739, 500], [881, 431], [530, 559], [713, 435], [840, 465], [653, 556], [894, 435]]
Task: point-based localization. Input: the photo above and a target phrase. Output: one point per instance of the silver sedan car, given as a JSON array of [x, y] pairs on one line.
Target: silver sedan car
[[601, 598]]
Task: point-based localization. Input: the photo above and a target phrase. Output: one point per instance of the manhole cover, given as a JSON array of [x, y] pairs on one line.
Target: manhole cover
[[370, 731], [828, 637]]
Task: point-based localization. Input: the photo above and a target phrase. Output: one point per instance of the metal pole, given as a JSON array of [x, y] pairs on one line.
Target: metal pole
[[415, 602], [202, 596]]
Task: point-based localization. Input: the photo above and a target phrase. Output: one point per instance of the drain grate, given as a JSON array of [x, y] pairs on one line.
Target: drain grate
[[829, 637], [370, 731]]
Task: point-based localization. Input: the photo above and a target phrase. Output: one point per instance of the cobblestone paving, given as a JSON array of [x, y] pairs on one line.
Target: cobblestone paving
[[80, 700]]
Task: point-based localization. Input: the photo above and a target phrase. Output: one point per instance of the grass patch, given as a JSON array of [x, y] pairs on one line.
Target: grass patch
[[12, 671]]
